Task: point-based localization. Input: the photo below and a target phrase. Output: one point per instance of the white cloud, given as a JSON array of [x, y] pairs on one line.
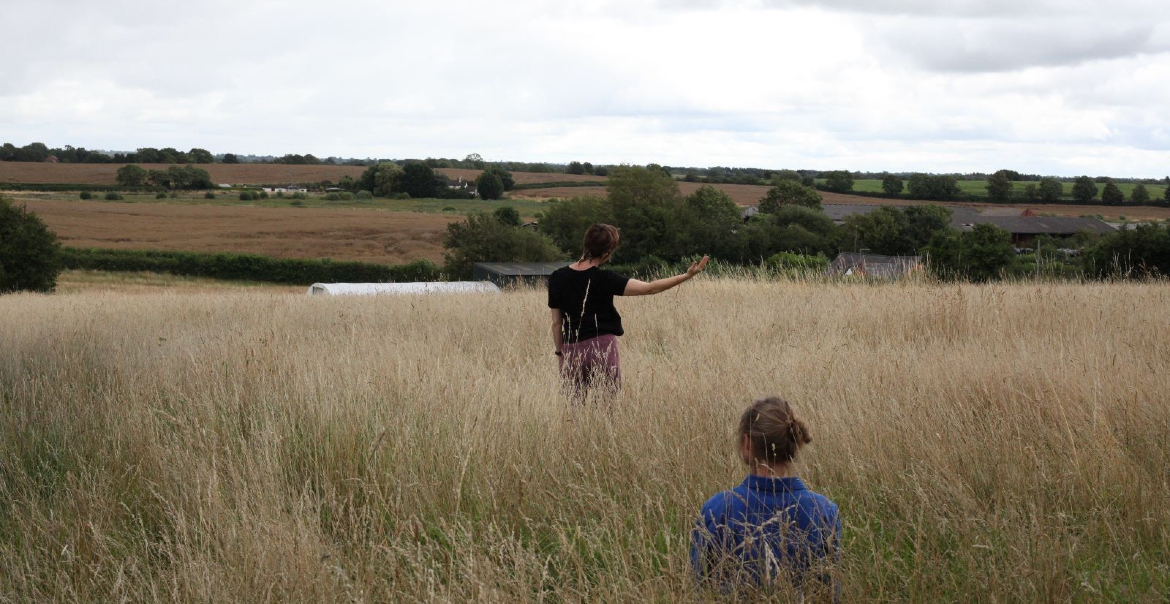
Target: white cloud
[[902, 85]]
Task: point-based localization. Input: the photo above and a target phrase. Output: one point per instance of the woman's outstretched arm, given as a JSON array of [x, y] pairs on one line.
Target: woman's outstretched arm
[[642, 288]]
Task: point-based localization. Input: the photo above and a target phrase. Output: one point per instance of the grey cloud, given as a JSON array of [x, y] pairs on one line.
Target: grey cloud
[[1136, 9]]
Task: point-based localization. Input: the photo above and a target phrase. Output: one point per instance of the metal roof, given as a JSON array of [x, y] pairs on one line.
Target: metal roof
[[1036, 225], [521, 269]]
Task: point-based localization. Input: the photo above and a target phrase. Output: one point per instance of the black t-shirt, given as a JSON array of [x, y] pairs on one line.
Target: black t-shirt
[[585, 299]]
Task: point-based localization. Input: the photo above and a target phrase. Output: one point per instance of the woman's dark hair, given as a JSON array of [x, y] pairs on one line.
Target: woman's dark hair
[[600, 239], [775, 433]]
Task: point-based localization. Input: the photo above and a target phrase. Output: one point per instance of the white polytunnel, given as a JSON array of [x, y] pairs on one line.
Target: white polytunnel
[[373, 289]]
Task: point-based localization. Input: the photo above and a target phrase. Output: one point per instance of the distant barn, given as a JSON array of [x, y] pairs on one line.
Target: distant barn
[[849, 264], [514, 273]]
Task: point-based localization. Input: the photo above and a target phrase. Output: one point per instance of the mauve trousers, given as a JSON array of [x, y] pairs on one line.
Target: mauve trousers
[[591, 364]]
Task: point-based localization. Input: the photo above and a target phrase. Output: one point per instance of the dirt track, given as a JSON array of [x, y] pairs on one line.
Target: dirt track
[[341, 234]]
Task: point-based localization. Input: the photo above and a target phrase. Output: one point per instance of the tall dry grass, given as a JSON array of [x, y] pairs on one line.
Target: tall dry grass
[[993, 443]]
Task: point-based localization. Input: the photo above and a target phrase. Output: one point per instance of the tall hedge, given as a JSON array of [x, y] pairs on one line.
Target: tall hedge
[[29, 252], [247, 267]]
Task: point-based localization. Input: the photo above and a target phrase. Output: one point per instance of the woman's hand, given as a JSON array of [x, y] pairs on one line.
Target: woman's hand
[[697, 267]]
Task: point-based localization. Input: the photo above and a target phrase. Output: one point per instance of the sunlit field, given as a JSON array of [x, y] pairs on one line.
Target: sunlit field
[[1000, 443]]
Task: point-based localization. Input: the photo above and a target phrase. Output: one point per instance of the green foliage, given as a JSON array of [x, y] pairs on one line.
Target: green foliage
[[29, 252], [200, 156], [1084, 189], [505, 176], [1142, 251], [892, 185], [897, 231], [489, 185], [1030, 192], [792, 175], [418, 180], [86, 195], [383, 179], [981, 254], [507, 215], [364, 195], [565, 221], [1111, 194], [246, 267], [1051, 191], [230, 158], [483, 238], [160, 195], [787, 192], [186, 177], [575, 167], [940, 187], [248, 196], [209, 195], [1140, 195], [114, 196], [131, 176], [333, 197], [999, 186], [786, 263], [646, 203], [839, 181]]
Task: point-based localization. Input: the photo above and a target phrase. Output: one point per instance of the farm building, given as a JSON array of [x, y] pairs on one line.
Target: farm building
[[850, 264], [749, 212], [1025, 229], [466, 186], [288, 189], [513, 273], [373, 289]]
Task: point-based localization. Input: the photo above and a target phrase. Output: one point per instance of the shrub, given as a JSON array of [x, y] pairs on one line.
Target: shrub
[[86, 195], [299, 195], [114, 196], [246, 196], [248, 267], [450, 209], [365, 195], [483, 238], [346, 196], [1143, 251], [160, 195], [29, 252], [332, 197], [981, 254], [260, 195], [507, 215], [490, 186], [209, 195]]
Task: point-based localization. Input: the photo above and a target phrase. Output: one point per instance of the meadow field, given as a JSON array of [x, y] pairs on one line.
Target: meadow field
[[998, 443]]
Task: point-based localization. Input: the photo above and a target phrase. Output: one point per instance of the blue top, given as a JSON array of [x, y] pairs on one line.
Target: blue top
[[763, 529]]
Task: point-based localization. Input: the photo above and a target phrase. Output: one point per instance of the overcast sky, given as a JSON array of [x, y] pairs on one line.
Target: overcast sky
[[1051, 86]]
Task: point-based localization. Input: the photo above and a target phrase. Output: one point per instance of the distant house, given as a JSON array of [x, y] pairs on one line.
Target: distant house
[[749, 212], [52, 159], [288, 189], [467, 186], [849, 264], [514, 273]]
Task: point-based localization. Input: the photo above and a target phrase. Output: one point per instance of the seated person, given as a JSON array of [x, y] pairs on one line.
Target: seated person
[[770, 532]]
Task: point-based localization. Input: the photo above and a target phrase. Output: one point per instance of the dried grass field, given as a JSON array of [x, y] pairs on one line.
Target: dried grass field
[[999, 443]]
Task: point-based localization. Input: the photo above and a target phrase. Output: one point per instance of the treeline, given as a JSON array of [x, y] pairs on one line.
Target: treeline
[[39, 152], [174, 177], [660, 226], [247, 267]]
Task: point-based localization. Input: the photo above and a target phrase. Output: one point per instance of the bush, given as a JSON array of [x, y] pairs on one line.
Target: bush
[[332, 197], [29, 252], [507, 215], [450, 209], [490, 186], [981, 254], [1143, 251], [363, 195], [114, 196], [209, 195], [248, 267], [86, 195], [160, 195], [299, 195], [346, 196], [247, 196], [483, 238]]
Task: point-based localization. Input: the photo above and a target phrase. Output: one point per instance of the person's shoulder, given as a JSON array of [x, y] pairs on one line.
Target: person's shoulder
[[726, 502], [815, 501]]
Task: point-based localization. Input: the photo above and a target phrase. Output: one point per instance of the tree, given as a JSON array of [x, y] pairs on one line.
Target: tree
[[711, 222], [1051, 190], [940, 187], [1140, 195], [787, 192], [838, 181], [131, 176], [1112, 194], [565, 221], [200, 156], [588, 167], [1011, 175], [981, 254], [508, 216], [418, 180], [792, 175], [892, 185], [575, 167], [490, 186], [29, 252], [1030, 192], [1144, 250], [1084, 189], [505, 176], [382, 179], [999, 186], [1166, 195], [483, 238], [230, 158], [647, 204]]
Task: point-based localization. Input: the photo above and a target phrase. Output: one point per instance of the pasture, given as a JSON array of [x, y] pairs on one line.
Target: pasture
[[984, 443]]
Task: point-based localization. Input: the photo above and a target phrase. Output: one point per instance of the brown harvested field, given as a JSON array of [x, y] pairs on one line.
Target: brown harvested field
[[238, 174], [746, 195], [342, 234]]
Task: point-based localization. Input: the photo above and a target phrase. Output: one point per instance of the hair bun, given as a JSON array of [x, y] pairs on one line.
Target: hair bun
[[799, 432]]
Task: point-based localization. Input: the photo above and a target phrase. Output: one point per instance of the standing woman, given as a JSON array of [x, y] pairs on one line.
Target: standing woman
[[585, 324]]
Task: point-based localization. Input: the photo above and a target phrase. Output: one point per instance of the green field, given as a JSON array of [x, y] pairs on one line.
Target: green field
[[527, 207], [979, 187]]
